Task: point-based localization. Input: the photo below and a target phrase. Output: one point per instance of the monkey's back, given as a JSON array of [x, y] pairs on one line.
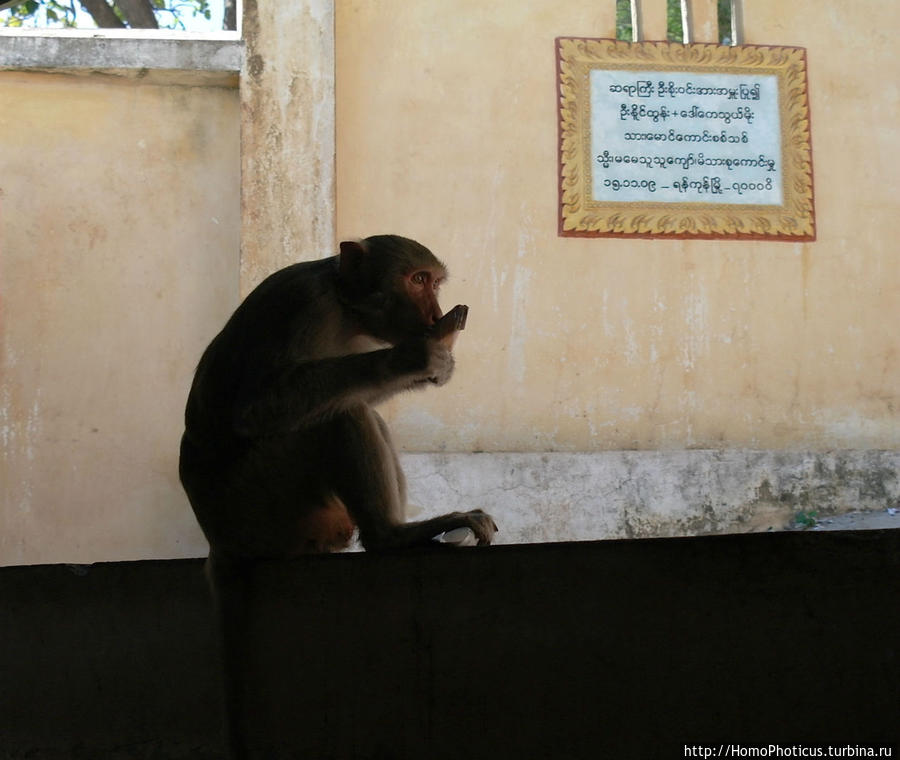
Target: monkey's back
[[280, 315], [236, 482]]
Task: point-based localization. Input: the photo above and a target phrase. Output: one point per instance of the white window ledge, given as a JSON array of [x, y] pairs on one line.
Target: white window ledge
[[208, 58]]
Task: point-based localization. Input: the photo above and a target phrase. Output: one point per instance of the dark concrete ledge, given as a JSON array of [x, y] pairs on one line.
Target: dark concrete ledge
[[583, 650]]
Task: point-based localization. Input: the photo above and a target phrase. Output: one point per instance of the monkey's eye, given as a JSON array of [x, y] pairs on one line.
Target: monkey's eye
[[420, 278]]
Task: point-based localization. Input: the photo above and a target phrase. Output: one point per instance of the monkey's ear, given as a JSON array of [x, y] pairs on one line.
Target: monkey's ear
[[352, 254]]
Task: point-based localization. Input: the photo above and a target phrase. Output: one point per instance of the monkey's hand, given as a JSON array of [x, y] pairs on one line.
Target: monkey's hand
[[427, 360], [440, 362]]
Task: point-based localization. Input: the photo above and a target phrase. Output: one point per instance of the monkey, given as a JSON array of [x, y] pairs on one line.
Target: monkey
[[283, 453]]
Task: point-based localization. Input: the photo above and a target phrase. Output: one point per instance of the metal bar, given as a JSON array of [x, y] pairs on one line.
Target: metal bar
[[686, 22], [636, 30], [737, 22]]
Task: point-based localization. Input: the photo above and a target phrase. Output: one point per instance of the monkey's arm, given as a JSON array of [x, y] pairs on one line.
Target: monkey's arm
[[296, 395]]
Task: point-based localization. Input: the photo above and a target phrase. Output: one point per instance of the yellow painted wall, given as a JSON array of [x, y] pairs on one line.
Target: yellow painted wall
[[446, 132], [119, 229], [119, 260]]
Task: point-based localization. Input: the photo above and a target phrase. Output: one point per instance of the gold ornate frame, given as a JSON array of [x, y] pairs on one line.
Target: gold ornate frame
[[580, 215]]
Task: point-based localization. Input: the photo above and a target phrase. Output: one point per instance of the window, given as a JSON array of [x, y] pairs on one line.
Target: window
[[679, 19], [197, 16]]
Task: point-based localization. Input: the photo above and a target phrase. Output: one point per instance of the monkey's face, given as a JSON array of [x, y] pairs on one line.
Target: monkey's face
[[411, 304], [422, 287], [390, 285]]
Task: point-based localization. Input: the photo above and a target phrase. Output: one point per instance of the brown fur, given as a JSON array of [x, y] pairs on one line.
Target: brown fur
[[283, 453]]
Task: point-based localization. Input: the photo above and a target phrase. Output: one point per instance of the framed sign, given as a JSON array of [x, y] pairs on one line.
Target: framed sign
[[660, 139]]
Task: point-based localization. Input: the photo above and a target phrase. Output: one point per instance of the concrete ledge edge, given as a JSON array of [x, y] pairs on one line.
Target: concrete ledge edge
[[550, 497], [101, 51]]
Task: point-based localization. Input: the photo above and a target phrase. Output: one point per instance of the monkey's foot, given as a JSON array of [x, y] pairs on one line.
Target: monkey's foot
[[467, 529], [457, 537], [479, 522]]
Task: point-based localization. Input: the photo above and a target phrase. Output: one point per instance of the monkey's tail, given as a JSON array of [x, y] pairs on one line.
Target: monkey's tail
[[229, 583]]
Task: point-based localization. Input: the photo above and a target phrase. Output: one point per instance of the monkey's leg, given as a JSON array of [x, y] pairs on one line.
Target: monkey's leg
[[371, 485]]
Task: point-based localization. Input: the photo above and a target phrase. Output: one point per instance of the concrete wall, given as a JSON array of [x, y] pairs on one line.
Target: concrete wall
[[119, 230], [622, 387], [559, 496], [446, 131], [619, 649], [733, 366]]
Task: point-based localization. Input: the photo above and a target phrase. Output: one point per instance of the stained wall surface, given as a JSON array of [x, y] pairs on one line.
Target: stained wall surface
[[135, 211], [447, 132], [119, 225]]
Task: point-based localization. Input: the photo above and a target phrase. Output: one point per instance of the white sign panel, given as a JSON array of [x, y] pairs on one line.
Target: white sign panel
[[674, 137], [660, 139]]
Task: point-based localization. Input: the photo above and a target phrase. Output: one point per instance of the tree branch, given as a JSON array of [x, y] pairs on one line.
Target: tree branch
[[103, 14], [229, 21], [139, 13]]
